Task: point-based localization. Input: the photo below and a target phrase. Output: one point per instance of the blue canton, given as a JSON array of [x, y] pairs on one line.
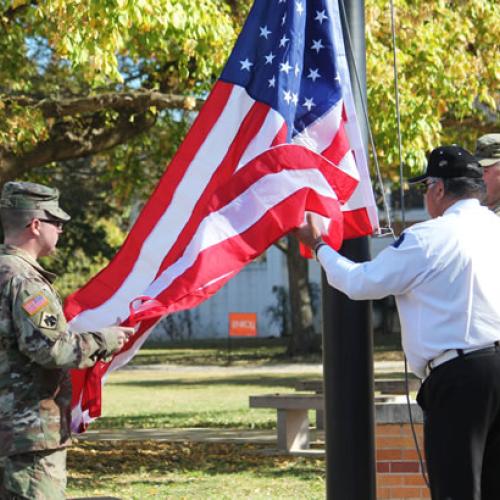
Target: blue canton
[[285, 57]]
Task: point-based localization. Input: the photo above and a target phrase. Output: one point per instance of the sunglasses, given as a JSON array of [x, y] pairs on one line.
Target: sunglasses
[[56, 223]]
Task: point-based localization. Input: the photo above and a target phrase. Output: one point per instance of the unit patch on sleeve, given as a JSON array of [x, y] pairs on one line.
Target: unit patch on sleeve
[[48, 320], [35, 303]]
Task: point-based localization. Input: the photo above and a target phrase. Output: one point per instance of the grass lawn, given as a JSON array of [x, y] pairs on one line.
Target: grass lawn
[[159, 470], [146, 399], [142, 399], [247, 352], [185, 396]]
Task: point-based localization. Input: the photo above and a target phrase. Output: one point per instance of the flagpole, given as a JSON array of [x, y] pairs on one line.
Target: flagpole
[[347, 338]]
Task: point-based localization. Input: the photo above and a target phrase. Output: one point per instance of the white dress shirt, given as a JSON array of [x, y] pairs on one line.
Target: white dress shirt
[[445, 275]]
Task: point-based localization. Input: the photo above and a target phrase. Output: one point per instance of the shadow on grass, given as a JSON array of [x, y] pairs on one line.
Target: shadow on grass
[[210, 419], [160, 458], [256, 380]]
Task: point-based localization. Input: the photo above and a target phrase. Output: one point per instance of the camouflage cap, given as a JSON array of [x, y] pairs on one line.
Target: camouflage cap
[[488, 149], [35, 199]]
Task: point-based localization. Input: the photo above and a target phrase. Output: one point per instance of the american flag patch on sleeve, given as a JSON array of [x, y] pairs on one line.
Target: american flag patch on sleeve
[[35, 303]]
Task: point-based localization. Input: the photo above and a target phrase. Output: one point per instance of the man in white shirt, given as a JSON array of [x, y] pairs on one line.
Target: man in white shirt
[[445, 275]]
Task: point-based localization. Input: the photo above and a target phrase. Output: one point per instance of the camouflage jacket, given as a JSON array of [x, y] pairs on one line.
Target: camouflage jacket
[[36, 351]]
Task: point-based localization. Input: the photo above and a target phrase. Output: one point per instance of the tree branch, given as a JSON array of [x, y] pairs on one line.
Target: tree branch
[[13, 12], [132, 102], [69, 144], [280, 245]]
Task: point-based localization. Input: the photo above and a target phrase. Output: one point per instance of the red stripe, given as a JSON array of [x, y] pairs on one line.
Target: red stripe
[[285, 157], [357, 223], [339, 146], [232, 254], [280, 137], [100, 288], [249, 127]]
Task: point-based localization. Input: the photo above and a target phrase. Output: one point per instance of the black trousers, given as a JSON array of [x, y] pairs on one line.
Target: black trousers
[[461, 404]]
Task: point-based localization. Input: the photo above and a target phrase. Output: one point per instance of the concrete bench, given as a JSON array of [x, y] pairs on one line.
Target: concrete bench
[[293, 419], [382, 385]]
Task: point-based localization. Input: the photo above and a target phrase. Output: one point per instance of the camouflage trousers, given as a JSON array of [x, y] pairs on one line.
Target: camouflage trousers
[[37, 475]]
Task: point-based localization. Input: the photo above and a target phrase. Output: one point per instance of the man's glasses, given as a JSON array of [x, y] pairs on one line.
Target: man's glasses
[[423, 187], [56, 223]]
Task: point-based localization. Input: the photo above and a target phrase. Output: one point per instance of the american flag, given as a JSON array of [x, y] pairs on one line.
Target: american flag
[[277, 137]]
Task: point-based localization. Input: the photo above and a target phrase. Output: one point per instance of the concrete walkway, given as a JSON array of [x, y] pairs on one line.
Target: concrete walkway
[[317, 368], [207, 435]]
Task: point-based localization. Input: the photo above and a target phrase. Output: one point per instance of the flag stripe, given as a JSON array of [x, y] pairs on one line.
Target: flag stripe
[[280, 158], [237, 216], [249, 127], [228, 253], [273, 129], [169, 223], [124, 261]]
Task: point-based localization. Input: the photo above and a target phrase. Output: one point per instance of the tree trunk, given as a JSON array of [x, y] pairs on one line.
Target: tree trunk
[[303, 339]]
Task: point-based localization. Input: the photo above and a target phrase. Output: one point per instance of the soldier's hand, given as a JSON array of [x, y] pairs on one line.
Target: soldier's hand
[[123, 333], [117, 336]]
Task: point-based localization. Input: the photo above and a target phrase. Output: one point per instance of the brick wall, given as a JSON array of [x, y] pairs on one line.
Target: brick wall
[[398, 468]]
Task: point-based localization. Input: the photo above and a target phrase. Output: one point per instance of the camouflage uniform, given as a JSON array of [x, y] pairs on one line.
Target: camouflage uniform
[[36, 351], [488, 154]]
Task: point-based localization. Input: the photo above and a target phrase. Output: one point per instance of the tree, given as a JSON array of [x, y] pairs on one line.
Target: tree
[[448, 75], [81, 78]]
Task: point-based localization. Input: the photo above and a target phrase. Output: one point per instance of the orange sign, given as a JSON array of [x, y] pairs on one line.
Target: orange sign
[[242, 324]]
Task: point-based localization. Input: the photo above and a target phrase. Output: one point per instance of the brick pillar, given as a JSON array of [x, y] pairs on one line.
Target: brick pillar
[[398, 468]]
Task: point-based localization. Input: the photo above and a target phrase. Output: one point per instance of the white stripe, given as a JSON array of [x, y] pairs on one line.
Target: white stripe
[[319, 135], [171, 223], [264, 138], [243, 212]]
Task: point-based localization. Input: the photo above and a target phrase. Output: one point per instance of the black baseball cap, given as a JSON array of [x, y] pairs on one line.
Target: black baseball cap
[[447, 162]]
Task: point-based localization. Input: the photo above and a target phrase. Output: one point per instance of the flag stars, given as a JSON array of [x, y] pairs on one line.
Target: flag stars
[[299, 8], [272, 82], [283, 19], [308, 103], [320, 16], [287, 96], [284, 41], [269, 58], [295, 98], [264, 32], [285, 67], [317, 45], [246, 65], [296, 70], [313, 74]]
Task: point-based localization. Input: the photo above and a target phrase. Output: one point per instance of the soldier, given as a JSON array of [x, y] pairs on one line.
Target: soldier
[[488, 154], [36, 348]]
